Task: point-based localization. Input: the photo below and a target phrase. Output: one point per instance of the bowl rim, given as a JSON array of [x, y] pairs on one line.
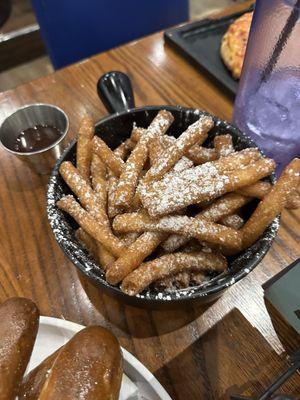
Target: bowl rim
[[168, 297]]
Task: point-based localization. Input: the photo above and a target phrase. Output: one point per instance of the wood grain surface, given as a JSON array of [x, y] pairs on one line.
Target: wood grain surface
[[196, 353]]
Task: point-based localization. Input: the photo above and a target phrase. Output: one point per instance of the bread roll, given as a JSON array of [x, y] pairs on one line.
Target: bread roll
[[33, 382], [89, 367], [18, 328]]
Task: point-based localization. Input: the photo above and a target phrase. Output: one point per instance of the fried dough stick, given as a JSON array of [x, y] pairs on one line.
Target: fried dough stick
[[84, 147], [91, 225], [196, 133], [220, 208], [170, 264], [204, 182], [272, 204], [200, 229], [134, 256]]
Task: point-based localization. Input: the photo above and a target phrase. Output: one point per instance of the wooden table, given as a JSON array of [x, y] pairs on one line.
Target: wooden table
[[199, 353]]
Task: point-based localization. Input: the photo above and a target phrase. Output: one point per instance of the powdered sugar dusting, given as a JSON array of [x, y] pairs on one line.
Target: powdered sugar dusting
[[63, 229]]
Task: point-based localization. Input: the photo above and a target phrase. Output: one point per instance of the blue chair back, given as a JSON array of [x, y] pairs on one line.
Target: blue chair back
[[74, 29]]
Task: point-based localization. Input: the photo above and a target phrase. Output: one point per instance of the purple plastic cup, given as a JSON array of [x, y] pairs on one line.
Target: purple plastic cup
[[267, 106]]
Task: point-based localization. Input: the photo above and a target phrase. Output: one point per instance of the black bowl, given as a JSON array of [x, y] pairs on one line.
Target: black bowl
[[114, 129]]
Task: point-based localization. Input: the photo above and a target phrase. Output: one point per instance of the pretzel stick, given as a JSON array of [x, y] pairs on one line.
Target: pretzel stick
[[99, 183], [272, 204], [223, 145], [133, 256], [113, 162], [196, 133], [219, 209], [96, 249], [200, 183], [91, 225], [149, 272], [233, 221], [201, 229], [84, 147], [261, 188]]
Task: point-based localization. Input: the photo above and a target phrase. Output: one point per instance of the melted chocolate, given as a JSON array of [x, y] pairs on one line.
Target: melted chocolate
[[37, 138]]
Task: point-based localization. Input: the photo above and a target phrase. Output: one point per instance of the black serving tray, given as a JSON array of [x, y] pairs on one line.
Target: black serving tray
[[200, 43]]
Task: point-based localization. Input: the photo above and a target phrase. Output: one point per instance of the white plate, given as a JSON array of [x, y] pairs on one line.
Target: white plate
[[141, 385]]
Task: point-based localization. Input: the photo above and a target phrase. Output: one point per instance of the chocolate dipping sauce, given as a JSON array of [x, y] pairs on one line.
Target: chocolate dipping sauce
[[37, 138]]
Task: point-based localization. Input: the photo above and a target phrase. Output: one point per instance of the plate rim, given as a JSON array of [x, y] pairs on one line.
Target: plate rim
[[128, 357]]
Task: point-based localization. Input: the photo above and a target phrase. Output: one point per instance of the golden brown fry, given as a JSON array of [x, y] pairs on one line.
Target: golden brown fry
[[84, 147], [133, 256], [99, 183], [122, 152], [96, 249], [293, 203], [133, 167], [158, 126], [109, 158], [201, 229], [129, 238], [125, 190], [272, 204], [258, 189], [223, 145], [261, 188], [200, 155], [233, 221], [224, 206], [91, 225], [88, 242], [136, 133], [156, 149], [201, 183], [197, 154], [196, 133], [149, 272], [220, 208], [124, 149], [83, 191], [112, 210]]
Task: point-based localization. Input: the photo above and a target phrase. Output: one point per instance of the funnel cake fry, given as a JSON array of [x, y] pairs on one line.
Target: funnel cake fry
[[134, 256], [272, 204], [110, 159], [149, 272], [96, 249], [217, 210], [223, 145], [84, 147], [195, 133], [198, 184], [91, 225], [201, 229]]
